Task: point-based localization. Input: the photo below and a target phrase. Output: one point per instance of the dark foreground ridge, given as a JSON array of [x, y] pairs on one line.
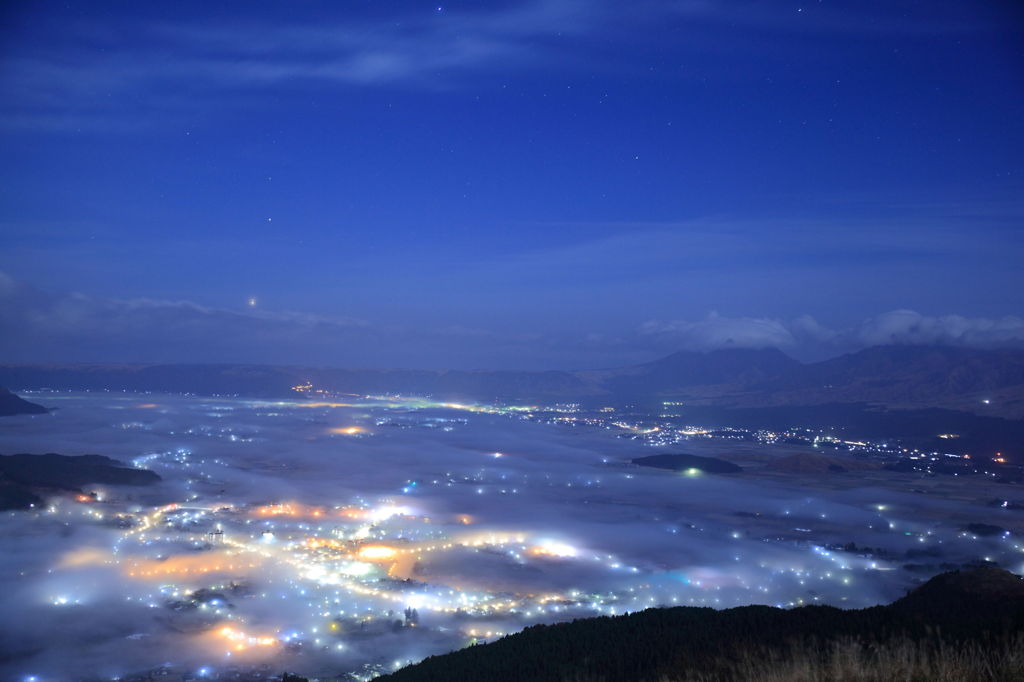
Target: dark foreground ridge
[[966, 623], [23, 477], [11, 405]]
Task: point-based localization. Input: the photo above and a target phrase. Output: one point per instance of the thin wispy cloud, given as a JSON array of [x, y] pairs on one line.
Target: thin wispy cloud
[[93, 77], [805, 336], [38, 326]]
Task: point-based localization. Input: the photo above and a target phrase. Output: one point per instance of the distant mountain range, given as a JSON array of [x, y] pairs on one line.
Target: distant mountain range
[[982, 382], [893, 376]]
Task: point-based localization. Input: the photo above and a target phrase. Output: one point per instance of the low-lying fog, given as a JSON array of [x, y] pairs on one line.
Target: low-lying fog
[[295, 535]]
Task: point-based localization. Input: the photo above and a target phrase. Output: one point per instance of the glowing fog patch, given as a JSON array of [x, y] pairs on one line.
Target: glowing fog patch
[[386, 512], [356, 569], [84, 556], [415, 601], [347, 430], [240, 640], [555, 549], [377, 552]]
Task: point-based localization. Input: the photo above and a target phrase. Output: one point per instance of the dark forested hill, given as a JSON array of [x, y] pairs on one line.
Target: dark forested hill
[[24, 476], [980, 610]]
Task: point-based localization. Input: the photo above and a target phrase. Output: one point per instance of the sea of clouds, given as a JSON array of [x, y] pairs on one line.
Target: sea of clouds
[[626, 538]]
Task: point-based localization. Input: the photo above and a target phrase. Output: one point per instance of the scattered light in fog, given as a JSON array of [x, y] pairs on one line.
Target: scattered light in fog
[[292, 540]]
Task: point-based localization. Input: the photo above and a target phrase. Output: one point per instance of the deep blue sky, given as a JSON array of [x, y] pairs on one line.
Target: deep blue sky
[[555, 183]]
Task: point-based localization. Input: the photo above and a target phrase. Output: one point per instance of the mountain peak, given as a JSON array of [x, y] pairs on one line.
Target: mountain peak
[[979, 584], [981, 594]]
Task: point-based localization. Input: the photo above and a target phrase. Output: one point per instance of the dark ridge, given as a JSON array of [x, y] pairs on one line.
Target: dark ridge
[[686, 369], [914, 368], [15, 496], [964, 607], [976, 596], [11, 405], [23, 475], [710, 465], [984, 529]]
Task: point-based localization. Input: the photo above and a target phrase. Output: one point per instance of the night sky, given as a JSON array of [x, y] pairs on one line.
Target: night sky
[[539, 184]]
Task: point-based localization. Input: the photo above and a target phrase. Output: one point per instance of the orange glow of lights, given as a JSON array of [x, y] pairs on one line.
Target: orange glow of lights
[[554, 549], [209, 562], [83, 498], [465, 519], [317, 543], [347, 430], [287, 509], [147, 406], [377, 552], [242, 640], [86, 556], [283, 509]]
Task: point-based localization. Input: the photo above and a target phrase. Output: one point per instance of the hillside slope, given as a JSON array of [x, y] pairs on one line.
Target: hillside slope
[[11, 405], [981, 608]]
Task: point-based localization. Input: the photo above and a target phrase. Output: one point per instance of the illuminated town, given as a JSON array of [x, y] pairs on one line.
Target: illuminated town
[[275, 541]]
